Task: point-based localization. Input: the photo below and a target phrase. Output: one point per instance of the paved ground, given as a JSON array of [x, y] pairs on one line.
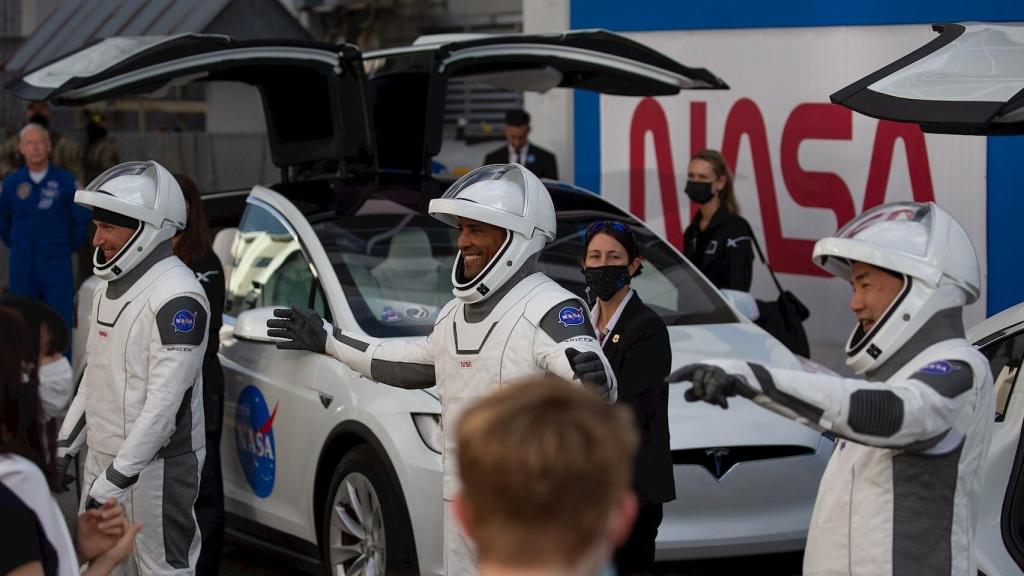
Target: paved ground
[[240, 560]]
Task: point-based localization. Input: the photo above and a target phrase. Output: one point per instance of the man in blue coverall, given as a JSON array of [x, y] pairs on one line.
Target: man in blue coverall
[[41, 224]]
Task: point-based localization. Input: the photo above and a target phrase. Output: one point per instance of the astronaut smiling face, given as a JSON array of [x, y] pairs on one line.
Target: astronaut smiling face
[[110, 238], [478, 242]]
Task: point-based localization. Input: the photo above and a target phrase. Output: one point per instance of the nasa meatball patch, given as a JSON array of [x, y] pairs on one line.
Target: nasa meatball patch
[[182, 322], [950, 378], [567, 320]]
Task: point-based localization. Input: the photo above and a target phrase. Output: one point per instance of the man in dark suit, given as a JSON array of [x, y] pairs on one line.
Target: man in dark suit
[[520, 150]]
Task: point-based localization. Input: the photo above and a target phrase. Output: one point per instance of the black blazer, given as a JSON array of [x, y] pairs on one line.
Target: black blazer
[[539, 161], [723, 251], [640, 356]]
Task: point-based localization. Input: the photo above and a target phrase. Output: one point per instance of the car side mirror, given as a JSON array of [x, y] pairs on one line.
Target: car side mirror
[[252, 325], [743, 302]]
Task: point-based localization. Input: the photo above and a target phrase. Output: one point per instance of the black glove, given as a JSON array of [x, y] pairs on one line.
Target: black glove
[[64, 474], [302, 329], [711, 384], [587, 367]]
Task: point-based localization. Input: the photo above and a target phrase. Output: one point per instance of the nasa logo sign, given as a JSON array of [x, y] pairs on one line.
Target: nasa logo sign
[[184, 321], [570, 316], [254, 437]]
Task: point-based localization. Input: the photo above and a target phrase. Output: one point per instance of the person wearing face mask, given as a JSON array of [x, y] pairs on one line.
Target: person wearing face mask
[[719, 242], [635, 341], [56, 384]]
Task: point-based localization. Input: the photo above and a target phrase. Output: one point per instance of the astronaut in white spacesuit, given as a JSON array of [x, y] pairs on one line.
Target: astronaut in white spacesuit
[[140, 404], [508, 321], [902, 491]]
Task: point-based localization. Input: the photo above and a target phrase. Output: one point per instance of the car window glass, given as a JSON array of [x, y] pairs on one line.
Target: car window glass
[[269, 268], [1004, 356], [394, 266]]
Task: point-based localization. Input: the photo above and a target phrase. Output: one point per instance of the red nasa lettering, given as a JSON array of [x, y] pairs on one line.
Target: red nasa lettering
[[807, 121]]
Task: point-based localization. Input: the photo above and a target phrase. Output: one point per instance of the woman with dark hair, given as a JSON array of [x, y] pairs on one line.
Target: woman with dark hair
[[718, 241], [34, 538], [47, 329], [192, 245], [635, 341]]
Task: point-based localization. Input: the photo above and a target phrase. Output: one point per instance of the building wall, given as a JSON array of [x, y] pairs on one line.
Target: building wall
[[551, 113], [803, 166]]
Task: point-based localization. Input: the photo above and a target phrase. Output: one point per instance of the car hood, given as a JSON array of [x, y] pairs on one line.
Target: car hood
[[700, 425]]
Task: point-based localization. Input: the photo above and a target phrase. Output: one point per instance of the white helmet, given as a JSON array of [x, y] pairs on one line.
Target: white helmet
[[508, 196], [142, 194], [923, 243]]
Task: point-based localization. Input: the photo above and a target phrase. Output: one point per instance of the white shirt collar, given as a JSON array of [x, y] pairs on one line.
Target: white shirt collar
[[596, 314], [525, 153]]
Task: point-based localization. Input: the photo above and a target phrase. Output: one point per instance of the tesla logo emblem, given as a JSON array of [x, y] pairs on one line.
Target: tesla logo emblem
[[716, 455]]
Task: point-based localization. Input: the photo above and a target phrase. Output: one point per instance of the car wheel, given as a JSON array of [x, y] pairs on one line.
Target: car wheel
[[365, 522]]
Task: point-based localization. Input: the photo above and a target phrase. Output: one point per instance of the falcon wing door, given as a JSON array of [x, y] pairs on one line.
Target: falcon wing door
[[312, 92], [968, 80], [408, 85]]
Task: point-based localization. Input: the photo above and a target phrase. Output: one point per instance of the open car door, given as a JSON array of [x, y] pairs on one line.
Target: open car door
[[408, 85], [968, 80], [313, 93]]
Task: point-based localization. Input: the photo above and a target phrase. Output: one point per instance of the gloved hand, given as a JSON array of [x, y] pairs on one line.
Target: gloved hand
[[302, 330], [103, 489], [711, 384], [588, 368], [65, 477]]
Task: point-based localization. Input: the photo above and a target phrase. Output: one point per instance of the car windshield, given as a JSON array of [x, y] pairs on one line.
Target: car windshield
[[395, 264]]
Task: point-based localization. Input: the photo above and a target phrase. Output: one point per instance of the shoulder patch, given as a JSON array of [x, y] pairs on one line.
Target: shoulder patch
[[567, 319], [950, 378], [182, 321]]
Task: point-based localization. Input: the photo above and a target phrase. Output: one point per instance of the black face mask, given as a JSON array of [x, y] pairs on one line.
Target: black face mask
[[699, 192], [605, 281]]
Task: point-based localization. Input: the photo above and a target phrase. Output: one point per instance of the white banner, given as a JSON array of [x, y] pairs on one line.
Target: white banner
[[803, 166]]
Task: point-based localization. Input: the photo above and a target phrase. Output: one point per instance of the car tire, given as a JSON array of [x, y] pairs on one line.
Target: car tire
[[365, 522]]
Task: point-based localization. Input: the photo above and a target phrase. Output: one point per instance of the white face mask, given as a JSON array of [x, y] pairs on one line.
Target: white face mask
[[55, 386]]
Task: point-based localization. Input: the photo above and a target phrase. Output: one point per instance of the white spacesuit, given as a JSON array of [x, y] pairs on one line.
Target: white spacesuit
[[139, 406], [508, 322], [902, 491]]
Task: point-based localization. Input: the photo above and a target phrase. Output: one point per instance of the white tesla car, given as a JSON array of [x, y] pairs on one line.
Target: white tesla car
[[325, 465]]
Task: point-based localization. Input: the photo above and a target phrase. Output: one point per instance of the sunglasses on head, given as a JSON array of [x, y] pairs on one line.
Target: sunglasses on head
[[613, 224]]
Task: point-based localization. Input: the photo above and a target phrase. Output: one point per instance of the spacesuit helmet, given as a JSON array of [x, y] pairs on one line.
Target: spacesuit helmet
[[144, 192], [923, 243], [507, 196]]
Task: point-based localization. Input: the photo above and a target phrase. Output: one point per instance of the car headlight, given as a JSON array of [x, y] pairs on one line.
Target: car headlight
[[429, 427]]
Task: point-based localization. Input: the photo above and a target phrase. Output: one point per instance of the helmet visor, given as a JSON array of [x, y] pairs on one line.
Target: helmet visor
[[499, 187], [140, 181], [903, 226]]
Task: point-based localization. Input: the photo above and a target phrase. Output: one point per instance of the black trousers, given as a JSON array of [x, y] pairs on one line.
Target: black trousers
[[210, 501], [636, 556]]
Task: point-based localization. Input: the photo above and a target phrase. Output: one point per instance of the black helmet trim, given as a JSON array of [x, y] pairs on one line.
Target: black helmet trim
[[490, 265], [124, 250], [864, 339]]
